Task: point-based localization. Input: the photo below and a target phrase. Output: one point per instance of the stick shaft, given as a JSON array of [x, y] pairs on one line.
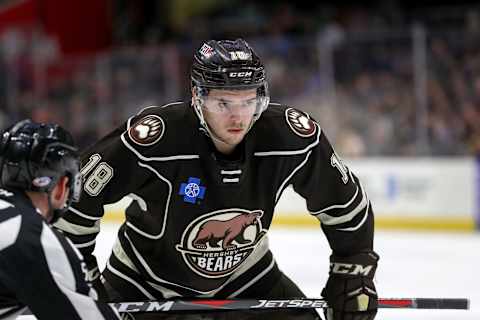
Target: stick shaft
[[425, 303], [252, 304]]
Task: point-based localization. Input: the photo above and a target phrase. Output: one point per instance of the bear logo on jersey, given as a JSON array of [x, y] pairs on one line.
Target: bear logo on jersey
[[300, 123], [214, 245], [147, 130]]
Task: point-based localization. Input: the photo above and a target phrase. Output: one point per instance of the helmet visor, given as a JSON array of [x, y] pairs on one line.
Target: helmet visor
[[233, 101]]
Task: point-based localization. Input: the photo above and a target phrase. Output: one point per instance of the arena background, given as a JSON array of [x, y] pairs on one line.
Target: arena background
[[395, 85]]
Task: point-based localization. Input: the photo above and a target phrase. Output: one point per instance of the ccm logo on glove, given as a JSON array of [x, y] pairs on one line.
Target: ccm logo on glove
[[350, 269]]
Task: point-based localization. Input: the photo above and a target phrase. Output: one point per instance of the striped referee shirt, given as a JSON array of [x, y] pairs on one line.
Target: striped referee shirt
[[40, 269]]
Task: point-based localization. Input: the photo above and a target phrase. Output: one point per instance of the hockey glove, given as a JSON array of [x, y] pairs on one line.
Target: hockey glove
[[350, 291], [93, 277]]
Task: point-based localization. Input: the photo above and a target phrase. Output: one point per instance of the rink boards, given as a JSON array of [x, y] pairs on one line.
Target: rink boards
[[406, 193]]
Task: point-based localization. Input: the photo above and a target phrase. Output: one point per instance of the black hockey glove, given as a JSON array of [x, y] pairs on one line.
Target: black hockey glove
[[350, 291], [93, 277]]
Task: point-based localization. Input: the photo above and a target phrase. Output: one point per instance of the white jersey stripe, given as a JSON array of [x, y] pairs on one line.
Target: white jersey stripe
[[170, 188], [83, 215], [355, 228], [5, 310], [5, 204], [9, 230], [230, 171], [331, 220], [282, 186], [12, 316], [62, 273], [76, 229], [338, 206], [170, 158], [84, 245], [130, 280], [161, 107], [142, 203], [167, 293], [251, 282], [122, 256]]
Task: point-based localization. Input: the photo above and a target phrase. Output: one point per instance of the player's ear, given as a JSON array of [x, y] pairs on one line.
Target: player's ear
[[60, 192]]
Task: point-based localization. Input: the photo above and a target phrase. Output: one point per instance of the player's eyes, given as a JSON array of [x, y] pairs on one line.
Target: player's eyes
[[222, 105]]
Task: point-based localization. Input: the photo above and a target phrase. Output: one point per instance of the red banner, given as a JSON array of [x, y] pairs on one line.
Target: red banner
[[78, 26]]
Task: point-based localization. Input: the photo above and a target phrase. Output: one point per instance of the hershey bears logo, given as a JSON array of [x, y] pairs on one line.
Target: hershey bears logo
[[147, 130], [214, 245], [300, 123]]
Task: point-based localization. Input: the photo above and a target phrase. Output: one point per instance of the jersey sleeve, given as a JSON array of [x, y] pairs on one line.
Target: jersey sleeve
[[335, 196], [110, 171], [46, 276]]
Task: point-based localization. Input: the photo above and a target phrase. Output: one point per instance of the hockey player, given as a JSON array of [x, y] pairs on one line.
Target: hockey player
[[39, 268], [204, 177]]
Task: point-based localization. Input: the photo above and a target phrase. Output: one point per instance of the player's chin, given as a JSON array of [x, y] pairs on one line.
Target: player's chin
[[235, 137]]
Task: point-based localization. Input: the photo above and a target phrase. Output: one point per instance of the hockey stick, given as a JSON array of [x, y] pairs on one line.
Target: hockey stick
[[251, 304]]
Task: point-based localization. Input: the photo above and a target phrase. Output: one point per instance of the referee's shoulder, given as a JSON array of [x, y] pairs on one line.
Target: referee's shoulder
[[20, 223]]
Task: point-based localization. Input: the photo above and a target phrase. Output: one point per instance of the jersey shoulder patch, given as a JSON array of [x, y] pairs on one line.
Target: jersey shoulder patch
[[147, 130], [160, 132], [150, 125], [300, 122]]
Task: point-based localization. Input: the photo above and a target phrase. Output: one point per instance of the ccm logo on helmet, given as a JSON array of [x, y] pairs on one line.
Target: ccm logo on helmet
[[351, 269], [240, 74]]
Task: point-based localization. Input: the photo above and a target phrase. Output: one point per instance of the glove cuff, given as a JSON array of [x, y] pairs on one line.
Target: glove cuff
[[362, 264]]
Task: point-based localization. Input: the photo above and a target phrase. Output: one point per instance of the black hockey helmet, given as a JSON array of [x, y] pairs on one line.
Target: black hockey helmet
[[230, 65], [34, 156], [227, 64]]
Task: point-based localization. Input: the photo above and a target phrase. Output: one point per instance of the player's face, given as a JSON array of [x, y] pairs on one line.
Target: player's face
[[229, 113]]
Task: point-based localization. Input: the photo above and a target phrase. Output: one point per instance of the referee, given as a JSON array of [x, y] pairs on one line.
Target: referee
[[39, 268]]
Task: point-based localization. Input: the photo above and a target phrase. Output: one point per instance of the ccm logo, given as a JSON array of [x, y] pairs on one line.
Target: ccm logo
[[351, 269], [240, 74]]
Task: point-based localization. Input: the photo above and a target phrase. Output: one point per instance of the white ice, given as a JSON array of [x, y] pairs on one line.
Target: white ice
[[413, 264]]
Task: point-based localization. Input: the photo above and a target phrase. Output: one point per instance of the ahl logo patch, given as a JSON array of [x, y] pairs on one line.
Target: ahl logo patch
[[147, 130], [216, 244], [300, 123]]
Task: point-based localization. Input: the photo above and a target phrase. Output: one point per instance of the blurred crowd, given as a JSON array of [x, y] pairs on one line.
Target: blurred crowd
[[381, 83]]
